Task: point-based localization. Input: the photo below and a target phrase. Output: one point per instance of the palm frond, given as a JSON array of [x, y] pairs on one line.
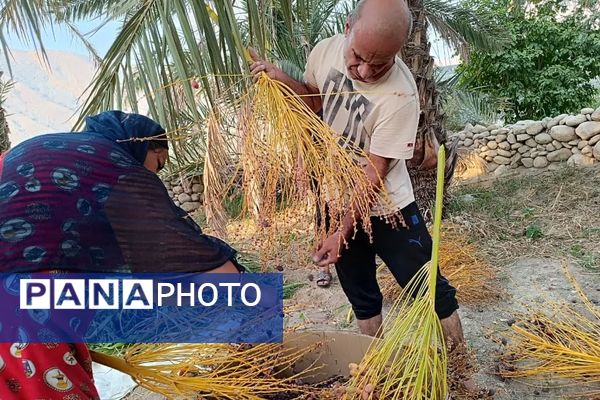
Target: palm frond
[[461, 27], [26, 19]]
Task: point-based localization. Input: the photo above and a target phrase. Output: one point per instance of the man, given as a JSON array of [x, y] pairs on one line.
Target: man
[[367, 94]]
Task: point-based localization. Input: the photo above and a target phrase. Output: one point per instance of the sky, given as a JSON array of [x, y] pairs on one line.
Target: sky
[[60, 38]]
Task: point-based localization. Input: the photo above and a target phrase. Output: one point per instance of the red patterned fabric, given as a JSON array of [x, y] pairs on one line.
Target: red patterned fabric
[[49, 371]]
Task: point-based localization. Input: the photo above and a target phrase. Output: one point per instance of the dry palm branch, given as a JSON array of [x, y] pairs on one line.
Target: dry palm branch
[[562, 344], [212, 371], [462, 264], [410, 362]]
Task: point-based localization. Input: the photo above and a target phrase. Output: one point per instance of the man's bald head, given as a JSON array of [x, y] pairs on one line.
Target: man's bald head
[[389, 19], [375, 32]]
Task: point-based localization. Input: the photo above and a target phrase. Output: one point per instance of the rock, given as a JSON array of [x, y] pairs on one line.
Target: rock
[[184, 198], [195, 196], [501, 137], [540, 147], [493, 127], [587, 150], [596, 115], [534, 154], [549, 147], [587, 110], [504, 153], [594, 140], [516, 146], [582, 144], [523, 137], [543, 138], [515, 160], [573, 142], [524, 122], [557, 145], [177, 203], [556, 121], [588, 129], [574, 120], [588, 117], [580, 160], [492, 145], [468, 127], [490, 153], [177, 189], [502, 169], [566, 145], [540, 162], [489, 158], [559, 155], [483, 149], [469, 135], [531, 143], [518, 129], [197, 188], [484, 134], [492, 166], [462, 136], [563, 133], [479, 129], [468, 142], [167, 184], [596, 151], [191, 206], [523, 149], [501, 160], [545, 122], [511, 138], [542, 153], [504, 146], [170, 193], [534, 129], [527, 162], [575, 150]]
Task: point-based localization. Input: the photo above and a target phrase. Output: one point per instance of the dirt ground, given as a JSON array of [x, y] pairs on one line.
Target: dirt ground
[[529, 283]]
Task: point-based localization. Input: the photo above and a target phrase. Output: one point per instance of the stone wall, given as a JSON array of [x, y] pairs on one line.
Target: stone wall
[[574, 139], [187, 193]]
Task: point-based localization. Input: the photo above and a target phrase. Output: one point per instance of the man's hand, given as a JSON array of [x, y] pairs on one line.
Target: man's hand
[[329, 251], [259, 66]]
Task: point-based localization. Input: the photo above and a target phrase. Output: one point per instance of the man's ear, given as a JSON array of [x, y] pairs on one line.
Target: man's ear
[[347, 26]]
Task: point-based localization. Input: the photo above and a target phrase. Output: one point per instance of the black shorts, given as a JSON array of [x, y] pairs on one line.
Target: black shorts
[[403, 250]]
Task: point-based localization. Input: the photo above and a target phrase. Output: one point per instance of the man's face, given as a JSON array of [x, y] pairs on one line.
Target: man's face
[[156, 160], [366, 55]]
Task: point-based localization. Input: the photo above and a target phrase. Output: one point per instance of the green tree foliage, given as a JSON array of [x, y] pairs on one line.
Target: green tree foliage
[[554, 55]]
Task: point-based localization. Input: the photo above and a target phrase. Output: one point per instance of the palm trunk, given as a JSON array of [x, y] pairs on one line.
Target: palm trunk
[[432, 130], [4, 141]]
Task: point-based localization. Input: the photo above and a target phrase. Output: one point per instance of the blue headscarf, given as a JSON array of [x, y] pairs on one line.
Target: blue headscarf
[[121, 127]]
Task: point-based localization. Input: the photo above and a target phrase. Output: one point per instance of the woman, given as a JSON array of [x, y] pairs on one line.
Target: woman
[[86, 202]]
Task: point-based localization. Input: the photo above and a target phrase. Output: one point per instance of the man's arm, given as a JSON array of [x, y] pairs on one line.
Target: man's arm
[[309, 94], [376, 171]]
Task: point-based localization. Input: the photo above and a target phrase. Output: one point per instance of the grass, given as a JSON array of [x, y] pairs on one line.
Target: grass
[[535, 214], [114, 349]]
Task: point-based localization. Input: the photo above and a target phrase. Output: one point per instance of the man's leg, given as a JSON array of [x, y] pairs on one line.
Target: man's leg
[[405, 250], [356, 270]]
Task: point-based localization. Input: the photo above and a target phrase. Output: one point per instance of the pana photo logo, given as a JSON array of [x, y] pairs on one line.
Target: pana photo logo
[[132, 294]]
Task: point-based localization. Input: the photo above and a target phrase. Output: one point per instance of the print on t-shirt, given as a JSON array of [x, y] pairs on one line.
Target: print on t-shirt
[[339, 92]]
